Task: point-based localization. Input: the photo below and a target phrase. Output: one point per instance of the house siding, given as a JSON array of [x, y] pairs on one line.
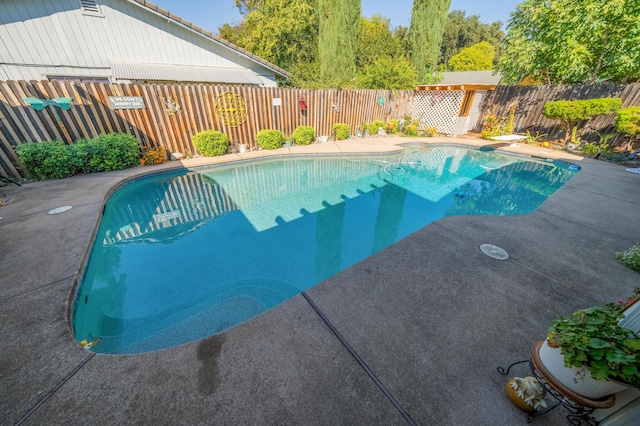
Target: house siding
[[43, 38]]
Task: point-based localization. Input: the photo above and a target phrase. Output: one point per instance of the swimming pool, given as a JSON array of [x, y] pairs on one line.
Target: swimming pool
[[184, 255]]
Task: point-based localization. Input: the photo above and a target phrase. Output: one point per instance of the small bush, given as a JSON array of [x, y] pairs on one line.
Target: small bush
[[341, 131], [303, 135], [55, 160], [628, 120], [595, 150], [411, 130], [630, 258], [211, 143], [375, 126], [393, 126], [270, 139], [572, 113], [107, 152], [47, 160], [153, 156]]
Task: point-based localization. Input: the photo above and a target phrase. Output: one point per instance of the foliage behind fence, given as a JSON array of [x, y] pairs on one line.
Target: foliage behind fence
[[174, 113], [529, 101]]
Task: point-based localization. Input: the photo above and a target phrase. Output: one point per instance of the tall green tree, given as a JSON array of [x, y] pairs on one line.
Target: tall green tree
[[376, 40], [474, 58], [338, 41], [568, 41], [463, 31], [428, 18], [283, 32]]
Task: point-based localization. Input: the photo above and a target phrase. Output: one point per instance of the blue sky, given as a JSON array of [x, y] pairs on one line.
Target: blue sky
[[212, 14]]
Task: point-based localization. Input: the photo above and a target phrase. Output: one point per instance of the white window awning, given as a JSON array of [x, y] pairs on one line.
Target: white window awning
[[125, 70]]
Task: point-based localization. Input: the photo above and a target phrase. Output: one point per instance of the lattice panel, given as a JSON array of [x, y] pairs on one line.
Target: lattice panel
[[437, 108]]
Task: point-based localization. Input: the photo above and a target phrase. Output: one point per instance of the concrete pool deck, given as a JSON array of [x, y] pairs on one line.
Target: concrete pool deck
[[430, 316]]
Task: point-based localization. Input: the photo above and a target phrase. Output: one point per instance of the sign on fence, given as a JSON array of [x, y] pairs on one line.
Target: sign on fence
[[127, 102]]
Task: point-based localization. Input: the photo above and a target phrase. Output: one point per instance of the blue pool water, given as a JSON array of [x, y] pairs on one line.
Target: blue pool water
[[185, 255]]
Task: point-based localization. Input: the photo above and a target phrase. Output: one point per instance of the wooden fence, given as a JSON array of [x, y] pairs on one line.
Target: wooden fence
[[155, 125], [529, 101]]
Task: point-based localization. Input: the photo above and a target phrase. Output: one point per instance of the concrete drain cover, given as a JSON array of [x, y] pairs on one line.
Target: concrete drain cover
[[494, 251], [59, 210]]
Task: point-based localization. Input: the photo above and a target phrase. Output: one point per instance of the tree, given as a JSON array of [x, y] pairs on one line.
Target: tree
[[564, 41], [573, 114], [338, 41], [376, 40], [428, 18], [475, 58], [284, 32], [388, 73], [462, 31]]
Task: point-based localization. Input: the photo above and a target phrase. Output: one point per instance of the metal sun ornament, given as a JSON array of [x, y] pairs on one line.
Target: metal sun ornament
[[231, 109]]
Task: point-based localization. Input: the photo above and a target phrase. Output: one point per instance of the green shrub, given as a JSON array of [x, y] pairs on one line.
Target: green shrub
[[341, 131], [47, 160], [107, 152], [393, 126], [55, 160], [303, 135], [375, 126], [628, 120], [211, 143], [630, 258], [411, 130], [270, 139], [572, 113], [594, 150]]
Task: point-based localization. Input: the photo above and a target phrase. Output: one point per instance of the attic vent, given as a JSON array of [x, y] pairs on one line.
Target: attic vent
[[90, 7]]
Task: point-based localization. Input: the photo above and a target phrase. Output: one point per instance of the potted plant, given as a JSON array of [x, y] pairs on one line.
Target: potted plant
[[591, 353]]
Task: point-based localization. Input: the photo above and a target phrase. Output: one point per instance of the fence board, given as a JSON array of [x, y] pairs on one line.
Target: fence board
[[91, 113]]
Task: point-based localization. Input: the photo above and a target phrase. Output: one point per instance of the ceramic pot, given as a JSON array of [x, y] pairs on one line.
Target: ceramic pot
[[576, 379]]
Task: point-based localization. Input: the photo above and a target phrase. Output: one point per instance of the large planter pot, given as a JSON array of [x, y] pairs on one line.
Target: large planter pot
[[577, 380]]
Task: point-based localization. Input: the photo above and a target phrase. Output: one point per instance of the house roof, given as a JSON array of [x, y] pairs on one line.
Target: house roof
[[471, 77], [172, 72], [211, 36]]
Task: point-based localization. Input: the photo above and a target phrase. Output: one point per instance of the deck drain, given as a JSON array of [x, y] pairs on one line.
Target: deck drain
[[494, 251], [59, 210]]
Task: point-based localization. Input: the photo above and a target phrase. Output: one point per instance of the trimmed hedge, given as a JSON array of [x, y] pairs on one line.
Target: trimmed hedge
[[628, 120], [270, 139], [341, 131], [56, 160], [303, 135], [211, 143], [572, 113]]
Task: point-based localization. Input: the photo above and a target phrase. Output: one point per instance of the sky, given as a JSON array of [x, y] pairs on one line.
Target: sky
[[211, 14]]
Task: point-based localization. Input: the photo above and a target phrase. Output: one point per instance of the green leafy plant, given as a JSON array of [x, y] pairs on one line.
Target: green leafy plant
[[572, 114], [628, 120], [592, 339], [393, 126], [630, 258], [55, 160], [211, 143], [535, 138], [374, 127], [595, 150], [270, 139], [411, 129], [341, 131], [110, 151], [303, 135], [47, 160]]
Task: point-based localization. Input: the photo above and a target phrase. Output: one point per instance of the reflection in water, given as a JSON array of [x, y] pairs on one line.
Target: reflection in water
[[182, 256]]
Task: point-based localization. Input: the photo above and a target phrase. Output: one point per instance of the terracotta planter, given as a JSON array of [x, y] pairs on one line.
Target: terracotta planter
[[577, 380]]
